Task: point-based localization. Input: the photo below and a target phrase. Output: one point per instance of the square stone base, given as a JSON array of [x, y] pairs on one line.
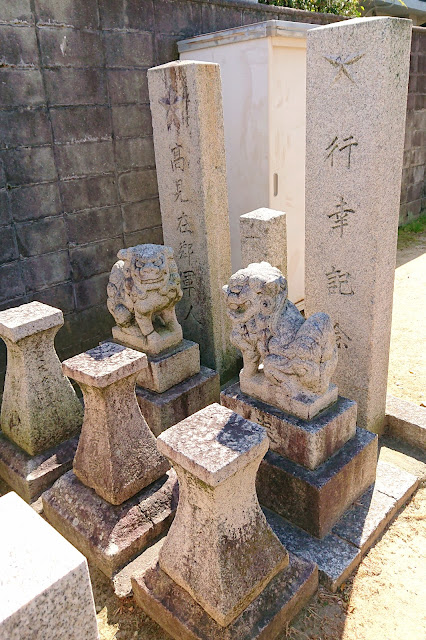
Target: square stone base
[[163, 410], [315, 500], [341, 551], [184, 619], [109, 535], [307, 442], [29, 475], [304, 405], [170, 367]]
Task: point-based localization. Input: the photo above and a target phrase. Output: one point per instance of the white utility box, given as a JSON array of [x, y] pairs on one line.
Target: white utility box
[[263, 69]]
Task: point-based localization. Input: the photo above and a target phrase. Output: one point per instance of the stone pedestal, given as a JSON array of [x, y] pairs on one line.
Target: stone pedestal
[[263, 235], [316, 468], [221, 572], [306, 442], [40, 413], [174, 386], [163, 410], [45, 589], [118, 497]]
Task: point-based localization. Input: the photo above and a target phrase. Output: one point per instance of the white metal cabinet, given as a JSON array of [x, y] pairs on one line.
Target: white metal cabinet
[[263, 69]]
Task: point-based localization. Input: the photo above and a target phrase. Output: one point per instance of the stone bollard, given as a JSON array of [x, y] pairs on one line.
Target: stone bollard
[[40, 408], [263, 236], [117, 454], [220, 557], [121, 494]]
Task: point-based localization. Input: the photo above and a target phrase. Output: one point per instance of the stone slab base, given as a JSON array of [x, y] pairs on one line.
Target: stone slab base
[[306, 442], [315, 500], [407, 421], [29, 475], [170, 367], [184, 619], [109, 535], [303, 405], [341, 551], [163, 410]]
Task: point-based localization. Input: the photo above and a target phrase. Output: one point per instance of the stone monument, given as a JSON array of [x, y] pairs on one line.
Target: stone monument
[[263, 234], [45, 589], [319, 461], [357, 77], [187, 119], [143, 289], [41, 414], [120, 495], [221, 572]]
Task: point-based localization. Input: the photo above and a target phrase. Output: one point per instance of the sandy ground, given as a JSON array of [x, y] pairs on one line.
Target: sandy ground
[[385, 598], [407, 365]]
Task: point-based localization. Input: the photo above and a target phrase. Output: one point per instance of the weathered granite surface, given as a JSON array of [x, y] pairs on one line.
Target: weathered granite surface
[[143, 289], [40, 408], [339, 552], [407, 421], [170, 367], [219, 549], [29, 475], [315, 500], [117, 454], [307, 442], [110, 535], [288, 361], [353, 183], [264, 618], [44, 583], [162, 410], [187, 119], [263, 235]]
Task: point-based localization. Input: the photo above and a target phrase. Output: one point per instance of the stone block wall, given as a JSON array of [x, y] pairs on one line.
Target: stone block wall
[[413, 189], [77, 170]]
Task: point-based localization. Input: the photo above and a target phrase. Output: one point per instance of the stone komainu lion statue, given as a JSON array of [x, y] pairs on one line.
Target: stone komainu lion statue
[[296, 353], [143, 289]]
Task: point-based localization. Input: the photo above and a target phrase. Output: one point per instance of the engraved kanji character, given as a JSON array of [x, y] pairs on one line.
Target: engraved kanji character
[[341, 215], [338, 282], [178, 160], [342, 338]]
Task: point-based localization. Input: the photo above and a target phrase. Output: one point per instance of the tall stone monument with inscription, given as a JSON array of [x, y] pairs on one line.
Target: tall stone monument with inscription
[[120, 494], [143, 289], [186, 107], [41, 415], [357, 77], [319, 461]]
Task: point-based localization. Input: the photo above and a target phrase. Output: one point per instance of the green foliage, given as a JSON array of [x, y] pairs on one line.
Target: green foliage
[[350, 8], [407, 233]]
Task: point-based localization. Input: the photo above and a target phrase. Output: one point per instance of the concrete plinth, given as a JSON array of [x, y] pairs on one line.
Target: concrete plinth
[[341, 551], [45, 591], [178, 613], [315, 500], [110, 535], [306, 442], [29, 475], [162, 410], [170, 367]]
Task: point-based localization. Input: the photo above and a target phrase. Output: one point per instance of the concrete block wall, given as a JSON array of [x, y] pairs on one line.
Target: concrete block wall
[[413, 188], [77, 170]]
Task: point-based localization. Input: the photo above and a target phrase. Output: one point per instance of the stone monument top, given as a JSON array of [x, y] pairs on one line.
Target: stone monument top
[[143, 289], [21, 322], [288, 361], [213, 443]]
